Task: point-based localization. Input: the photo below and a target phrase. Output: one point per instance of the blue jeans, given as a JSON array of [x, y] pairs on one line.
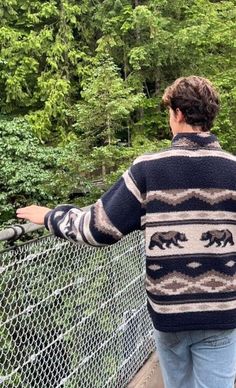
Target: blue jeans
[[197, 358]]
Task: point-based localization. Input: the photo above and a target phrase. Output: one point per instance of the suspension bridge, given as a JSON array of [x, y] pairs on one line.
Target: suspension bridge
[[74, 316]]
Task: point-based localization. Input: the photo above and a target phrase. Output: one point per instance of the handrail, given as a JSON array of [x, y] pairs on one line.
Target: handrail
[[14, 232]]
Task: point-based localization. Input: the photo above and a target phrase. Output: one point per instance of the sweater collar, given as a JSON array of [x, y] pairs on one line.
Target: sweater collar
[[195, 140]]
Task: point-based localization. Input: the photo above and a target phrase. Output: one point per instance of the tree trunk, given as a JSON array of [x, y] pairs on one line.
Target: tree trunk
[[103, 171], [109, 129]]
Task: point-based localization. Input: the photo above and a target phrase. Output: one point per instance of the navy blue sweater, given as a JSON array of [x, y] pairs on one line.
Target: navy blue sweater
[[184, 198]]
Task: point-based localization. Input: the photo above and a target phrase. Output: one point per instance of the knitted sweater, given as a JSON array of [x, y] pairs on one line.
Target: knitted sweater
[[184, 198]]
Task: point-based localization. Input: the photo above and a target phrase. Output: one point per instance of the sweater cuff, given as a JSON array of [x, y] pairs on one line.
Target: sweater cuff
[[47, 220]]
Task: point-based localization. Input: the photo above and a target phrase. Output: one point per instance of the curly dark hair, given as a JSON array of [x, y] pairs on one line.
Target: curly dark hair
[[196, 98]]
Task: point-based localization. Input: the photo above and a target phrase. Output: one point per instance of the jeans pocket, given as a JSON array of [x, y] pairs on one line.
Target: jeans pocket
[[167, 340], [215, 338]]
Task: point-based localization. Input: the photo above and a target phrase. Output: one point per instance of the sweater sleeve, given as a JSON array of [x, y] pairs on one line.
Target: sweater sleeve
[[117, 213]]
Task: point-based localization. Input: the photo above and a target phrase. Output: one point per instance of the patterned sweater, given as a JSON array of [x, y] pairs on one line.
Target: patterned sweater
[[184, 198]]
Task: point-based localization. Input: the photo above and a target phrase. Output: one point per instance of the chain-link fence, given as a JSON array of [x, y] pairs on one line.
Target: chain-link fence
[[72, 315]]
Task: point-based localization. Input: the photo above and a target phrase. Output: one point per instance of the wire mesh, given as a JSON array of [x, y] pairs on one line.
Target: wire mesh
[[72, 315]]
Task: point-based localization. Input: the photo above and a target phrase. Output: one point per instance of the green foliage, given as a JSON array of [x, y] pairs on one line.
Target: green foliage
[[107, 101], [26, 168], [89, 77], [52, 66], [31, 172], [92, 74], [39, 56]]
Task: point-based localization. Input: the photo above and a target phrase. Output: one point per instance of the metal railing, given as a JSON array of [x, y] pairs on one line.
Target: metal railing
[[73, 315]]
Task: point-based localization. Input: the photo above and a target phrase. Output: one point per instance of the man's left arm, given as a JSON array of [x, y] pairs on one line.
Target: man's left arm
[[117, 213]]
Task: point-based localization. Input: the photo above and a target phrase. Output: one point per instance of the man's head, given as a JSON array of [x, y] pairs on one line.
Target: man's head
[[192, 101]]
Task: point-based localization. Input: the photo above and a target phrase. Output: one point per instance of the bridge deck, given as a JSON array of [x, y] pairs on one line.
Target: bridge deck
[[149, 376]]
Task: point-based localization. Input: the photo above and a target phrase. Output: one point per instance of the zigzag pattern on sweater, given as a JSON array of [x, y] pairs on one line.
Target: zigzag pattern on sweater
[[177, 283], [176, 197]]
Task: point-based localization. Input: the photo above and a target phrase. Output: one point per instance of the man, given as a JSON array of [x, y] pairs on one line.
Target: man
[[184, 198]]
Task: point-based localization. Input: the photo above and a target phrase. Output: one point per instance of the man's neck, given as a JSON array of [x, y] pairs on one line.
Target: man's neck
[[185, 128]]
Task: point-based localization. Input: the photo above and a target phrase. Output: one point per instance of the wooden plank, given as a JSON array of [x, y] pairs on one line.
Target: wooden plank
[[149, 375]]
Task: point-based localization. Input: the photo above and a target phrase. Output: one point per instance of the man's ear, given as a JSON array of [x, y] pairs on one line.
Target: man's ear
[[179, 116]]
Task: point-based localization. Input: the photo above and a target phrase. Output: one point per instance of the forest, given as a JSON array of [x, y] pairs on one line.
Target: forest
[[81, 85]]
